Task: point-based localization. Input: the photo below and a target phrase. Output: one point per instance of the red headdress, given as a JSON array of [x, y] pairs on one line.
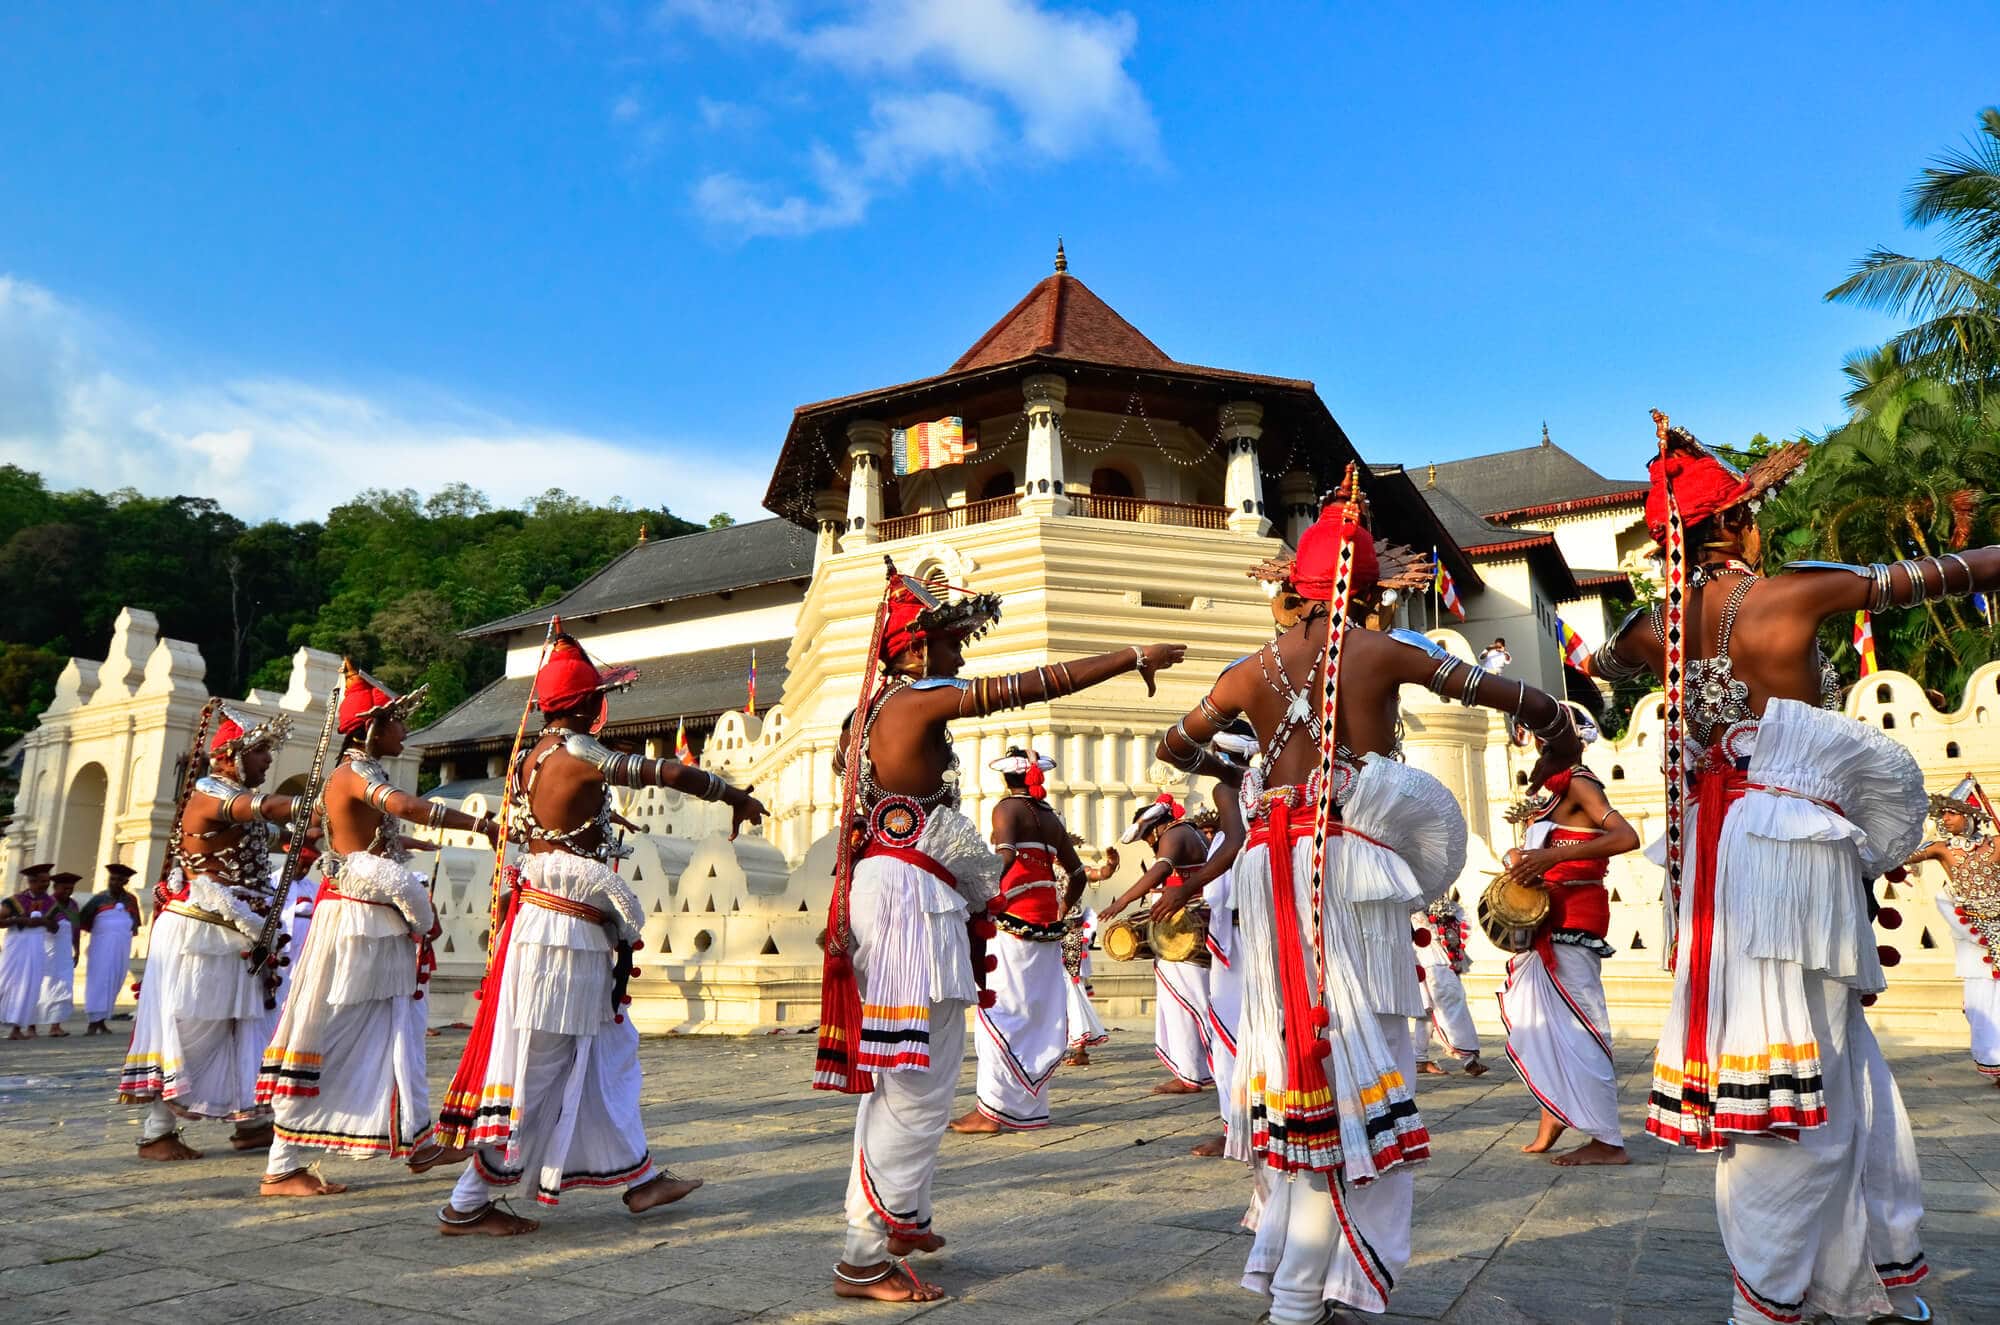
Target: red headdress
[[915, 614], [569, 678], [1164, 812], [1705, 485], [364, 699], [1319, 556], [1028, 766], [238, 732]]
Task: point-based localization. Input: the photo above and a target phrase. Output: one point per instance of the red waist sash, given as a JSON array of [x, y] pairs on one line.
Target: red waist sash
[[1028, 889], [910, 856]]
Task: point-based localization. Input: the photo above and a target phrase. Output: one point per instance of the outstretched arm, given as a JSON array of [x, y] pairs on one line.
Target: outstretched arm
[[242, 807], [978, 696], [628, 770]]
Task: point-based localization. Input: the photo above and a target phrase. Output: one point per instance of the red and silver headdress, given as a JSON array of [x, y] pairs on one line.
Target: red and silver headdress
[[1967, 798], [1705, 485], [916, 613], [237, 732], [569, 678], [363, 699], [1164, 812]]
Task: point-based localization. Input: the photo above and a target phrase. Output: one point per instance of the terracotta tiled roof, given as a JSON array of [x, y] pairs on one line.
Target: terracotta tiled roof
[[1061, 316]]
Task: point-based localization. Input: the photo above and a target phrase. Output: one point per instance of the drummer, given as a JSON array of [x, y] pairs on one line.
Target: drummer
[[1558, 1028], [1181, 1032]]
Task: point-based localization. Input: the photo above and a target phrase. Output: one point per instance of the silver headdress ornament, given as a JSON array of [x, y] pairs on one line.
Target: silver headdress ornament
[[1967, 798], [238, 732]]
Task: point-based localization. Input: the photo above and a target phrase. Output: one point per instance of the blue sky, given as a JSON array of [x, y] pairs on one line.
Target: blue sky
[[275, 254]]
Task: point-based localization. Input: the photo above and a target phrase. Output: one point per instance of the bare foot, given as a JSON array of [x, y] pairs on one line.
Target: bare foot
[[923, 1242], [1210, 1148], [891, 1281], [257, 1137], [300, 1182], [663, 1189], [430, 1154], [56, 1032], [1545, 1136], [1081, 1058], [1592, 1151], [1475, 1068], [1429, 1069], [15, 1034], [167, 1148], [1175, 1086], [490, 1221], [975, 1123], [97, 1028]]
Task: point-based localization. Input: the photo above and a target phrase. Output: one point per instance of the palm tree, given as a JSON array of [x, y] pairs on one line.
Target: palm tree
[[1953, 299]]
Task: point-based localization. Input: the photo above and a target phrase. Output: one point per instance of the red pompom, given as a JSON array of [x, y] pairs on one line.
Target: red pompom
[[1897, 875], [1422, 938], [1889, 918], [638, 945], [1996, 975], [636, 973], [619, 1018], [985, 929], [1322, 1049], [1958, 911], [478, 995], [1420, 975], [1320, 1019], [135, 986], [1887, 955], [992, 964], [626, 1001], [418, 996], [1868, 1000], [987, 998]]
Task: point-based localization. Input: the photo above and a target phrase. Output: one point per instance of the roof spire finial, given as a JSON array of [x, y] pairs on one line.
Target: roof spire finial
[[1432, 480], [1062, 263], [1545, 434], [642, 531]]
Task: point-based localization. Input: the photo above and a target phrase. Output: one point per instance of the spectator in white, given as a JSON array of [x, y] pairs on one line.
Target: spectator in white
[[1496, 657]]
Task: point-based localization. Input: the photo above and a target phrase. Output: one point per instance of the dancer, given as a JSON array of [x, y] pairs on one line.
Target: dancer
[[1021, 1037], [111, 918], [548, 1088], [59, 946], [1558, 1026], [344, 1072], [1439, 932], [1086, 1028], [1970, 904], [1181, 1032], [910, 869], [27, 917], [1765, 1055], [1326, 1109], [200, 1028]]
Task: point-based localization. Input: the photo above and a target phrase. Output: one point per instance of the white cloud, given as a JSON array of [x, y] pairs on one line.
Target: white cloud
[[270, 446], [954, 85]]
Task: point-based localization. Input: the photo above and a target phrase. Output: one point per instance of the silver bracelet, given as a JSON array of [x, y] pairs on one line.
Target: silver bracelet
[[1557, 724], [717, 788], [1469, 691], [1964, 565], [1520, 698], [1884, 588], [1436, 684]]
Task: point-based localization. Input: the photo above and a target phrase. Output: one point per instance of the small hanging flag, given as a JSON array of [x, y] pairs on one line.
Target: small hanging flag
[[1575, 652], [681, 750], [929, 445], [1864, 642], [1448, 592], [751, 708]]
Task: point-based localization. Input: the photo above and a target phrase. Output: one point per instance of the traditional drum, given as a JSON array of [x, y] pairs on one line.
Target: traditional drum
[[1182, 936], [1511, 910], [1128, 941]]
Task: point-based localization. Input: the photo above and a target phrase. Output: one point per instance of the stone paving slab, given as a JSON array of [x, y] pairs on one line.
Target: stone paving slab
[[1103, 1217]]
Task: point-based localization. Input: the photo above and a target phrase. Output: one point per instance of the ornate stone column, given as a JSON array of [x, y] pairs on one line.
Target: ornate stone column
[[830, 509], [1042, 487], [1243, 485], [868, 445], [1301, 504]]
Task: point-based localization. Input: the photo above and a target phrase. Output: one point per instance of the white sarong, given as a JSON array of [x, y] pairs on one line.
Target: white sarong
[[58, 974], [1021, 1037], [1180, 1020], [107, 960], [1225, 985], [1447, 1016], [344, 1071], [1559, 1037], [1085, 1027], [23, 959], [1981, 978]]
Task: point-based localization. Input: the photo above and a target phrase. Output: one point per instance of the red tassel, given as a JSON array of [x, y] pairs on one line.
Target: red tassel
[[1889, 918]]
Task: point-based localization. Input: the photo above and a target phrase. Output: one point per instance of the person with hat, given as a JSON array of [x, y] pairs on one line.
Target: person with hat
[[199, 1031], [344, 1071], [1324, 1107], [1970, 904], [1778, 807], [111, 918], [59, 947], [25, 918], [1438, 933], [1558, 1025], [548, 1087], [1020, 1039], [910, 873], [1181, 1030]]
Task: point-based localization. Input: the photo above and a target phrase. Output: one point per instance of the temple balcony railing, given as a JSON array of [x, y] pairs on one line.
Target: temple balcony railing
[[1132, 510]]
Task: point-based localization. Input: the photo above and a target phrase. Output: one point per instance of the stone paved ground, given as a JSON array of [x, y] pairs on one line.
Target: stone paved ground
[[1103, 1217]]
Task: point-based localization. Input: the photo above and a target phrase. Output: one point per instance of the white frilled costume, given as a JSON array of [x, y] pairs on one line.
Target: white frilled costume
[[1438, 934], [1552, 1002], [344, 1072], [1085, 1028], [199, 1031], [1181, 1029], [24, 957], [1020, 1039], [59, 966], [111, 922], [1970, 905]]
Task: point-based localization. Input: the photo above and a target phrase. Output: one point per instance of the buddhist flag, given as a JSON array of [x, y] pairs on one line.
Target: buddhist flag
[[929, 445], [751, 708], [1864, 643], [681, 751], [1575, 652], [1448, 592]]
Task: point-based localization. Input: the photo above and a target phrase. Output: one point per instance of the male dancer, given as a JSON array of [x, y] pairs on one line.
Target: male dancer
[[549, 1084], [1970, 904], [1765, 1054], [1558, 1026], [1181, 1032], [27, 918], [344, 1072], [1086, 1029], [898, 964], [59, 955], [111, 918], [1021, 1037], [200, 1028], [1324, 1056], [1439, 935]]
